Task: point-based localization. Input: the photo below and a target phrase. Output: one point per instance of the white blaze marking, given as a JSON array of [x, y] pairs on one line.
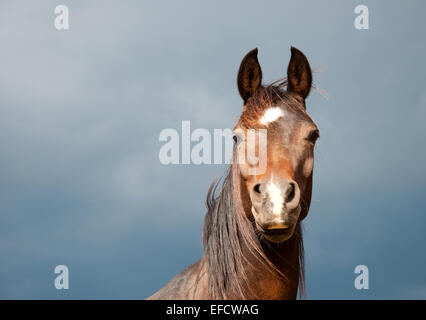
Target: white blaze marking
[[275, 197], [271, 115]]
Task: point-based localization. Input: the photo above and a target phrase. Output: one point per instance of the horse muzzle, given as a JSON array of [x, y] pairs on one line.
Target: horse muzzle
[[276, 208]]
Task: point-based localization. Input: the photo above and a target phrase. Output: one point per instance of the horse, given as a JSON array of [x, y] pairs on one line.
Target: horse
[[252, 235]]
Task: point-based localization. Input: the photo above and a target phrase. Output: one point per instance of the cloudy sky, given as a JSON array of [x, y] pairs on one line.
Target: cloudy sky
[[81, 110]]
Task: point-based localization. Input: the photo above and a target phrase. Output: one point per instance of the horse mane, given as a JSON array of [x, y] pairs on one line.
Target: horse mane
[[228, 235]]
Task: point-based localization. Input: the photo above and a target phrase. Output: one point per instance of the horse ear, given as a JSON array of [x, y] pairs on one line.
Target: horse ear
[[299, 74], [249, 75]]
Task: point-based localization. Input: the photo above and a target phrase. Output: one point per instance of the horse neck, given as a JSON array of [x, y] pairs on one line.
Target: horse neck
[[266, 284]]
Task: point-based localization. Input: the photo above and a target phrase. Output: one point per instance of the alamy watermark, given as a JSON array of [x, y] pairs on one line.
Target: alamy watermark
[[362, 280], [361, 21], [200, 146], [62, 20], [62, 280]]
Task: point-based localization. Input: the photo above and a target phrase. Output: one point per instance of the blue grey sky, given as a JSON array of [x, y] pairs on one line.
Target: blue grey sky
[[81, 111]]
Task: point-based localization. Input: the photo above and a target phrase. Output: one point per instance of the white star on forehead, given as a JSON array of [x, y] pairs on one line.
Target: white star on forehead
[[271, 115]]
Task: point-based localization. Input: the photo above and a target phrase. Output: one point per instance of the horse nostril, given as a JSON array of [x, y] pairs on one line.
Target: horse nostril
[[256, 188], [290, 193]]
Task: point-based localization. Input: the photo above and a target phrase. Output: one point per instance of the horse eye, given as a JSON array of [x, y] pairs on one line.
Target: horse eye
[[313, 136], [237, 138]]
